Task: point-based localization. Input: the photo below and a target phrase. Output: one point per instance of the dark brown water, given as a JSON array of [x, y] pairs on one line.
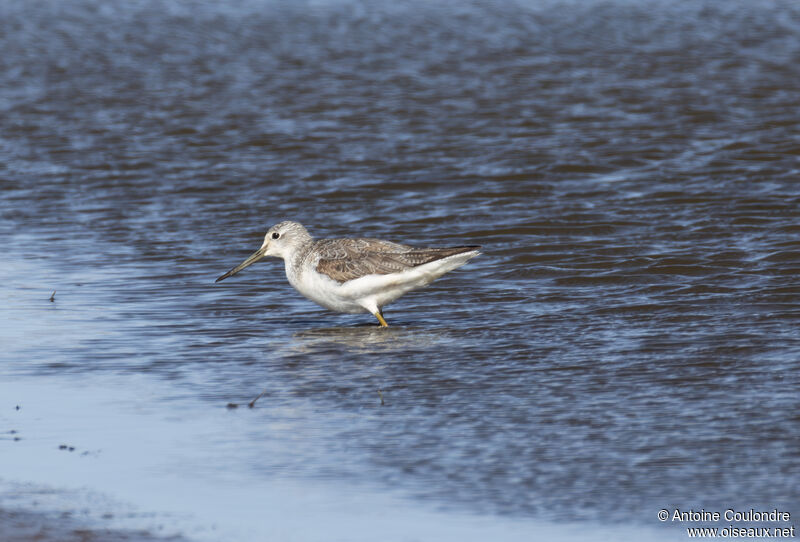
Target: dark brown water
[[629, 339]]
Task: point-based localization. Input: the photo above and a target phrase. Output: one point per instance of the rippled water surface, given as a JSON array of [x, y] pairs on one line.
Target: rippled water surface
[[628, 341]]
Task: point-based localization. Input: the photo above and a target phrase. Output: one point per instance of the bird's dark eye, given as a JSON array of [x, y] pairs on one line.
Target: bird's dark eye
[[275, 235]]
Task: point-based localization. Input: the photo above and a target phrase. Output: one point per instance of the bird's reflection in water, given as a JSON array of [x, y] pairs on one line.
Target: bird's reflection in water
[[367, 338]]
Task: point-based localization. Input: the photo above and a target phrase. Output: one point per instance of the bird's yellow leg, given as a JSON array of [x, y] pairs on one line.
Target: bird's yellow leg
[[379, 316]]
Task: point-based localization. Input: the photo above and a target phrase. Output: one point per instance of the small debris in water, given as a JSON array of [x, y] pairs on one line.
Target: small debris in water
[[252, 403], [17, 407], [66, 447], [53, 296], [380, 394], [232, 405]]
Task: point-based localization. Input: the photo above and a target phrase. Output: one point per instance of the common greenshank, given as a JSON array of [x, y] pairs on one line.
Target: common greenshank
[[354, 275]]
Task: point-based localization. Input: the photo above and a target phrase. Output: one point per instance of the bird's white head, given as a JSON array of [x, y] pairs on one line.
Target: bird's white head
[[284, 238], [281, 241]]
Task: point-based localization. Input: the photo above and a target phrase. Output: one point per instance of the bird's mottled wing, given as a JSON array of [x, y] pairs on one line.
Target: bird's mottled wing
[[348, 259]]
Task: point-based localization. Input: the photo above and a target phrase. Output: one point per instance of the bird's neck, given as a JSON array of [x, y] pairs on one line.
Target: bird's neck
[[294, 262]]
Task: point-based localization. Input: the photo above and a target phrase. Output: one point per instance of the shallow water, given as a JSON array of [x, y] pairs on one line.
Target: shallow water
[[627, 342]]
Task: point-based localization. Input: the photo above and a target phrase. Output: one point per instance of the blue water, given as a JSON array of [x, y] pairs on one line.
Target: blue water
[[627, 342]]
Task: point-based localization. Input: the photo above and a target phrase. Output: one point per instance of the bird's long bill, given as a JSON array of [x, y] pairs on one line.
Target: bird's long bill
[[254, 257]]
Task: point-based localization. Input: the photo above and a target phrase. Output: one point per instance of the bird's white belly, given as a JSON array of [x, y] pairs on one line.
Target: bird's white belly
[[324, 291], [370, 292]]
